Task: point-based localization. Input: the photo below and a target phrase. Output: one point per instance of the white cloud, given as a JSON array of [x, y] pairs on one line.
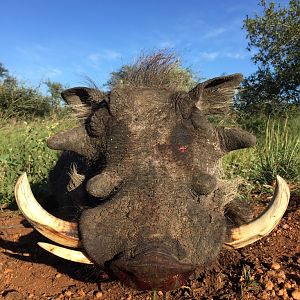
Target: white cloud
[[209, 55], [235, 55], [213, 55], [106, 55], [52, 72], [214, 32], [166, 44], [235, 8]]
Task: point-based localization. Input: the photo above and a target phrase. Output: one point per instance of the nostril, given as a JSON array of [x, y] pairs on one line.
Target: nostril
[[103, 184], [203, 183]]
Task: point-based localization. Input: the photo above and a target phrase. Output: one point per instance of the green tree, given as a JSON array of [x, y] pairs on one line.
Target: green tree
[[274, 38], [3, 71], [54, 89], [19, 101]]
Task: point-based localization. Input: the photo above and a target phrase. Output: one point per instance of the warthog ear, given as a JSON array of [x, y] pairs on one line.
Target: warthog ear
[[215, 95], [83, 100], [91, 106]]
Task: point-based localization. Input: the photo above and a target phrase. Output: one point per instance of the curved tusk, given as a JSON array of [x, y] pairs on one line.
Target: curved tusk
[[261, 226], [57, 230], [73, 255]]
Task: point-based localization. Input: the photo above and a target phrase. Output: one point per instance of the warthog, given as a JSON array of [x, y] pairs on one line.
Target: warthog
[[142, 171]]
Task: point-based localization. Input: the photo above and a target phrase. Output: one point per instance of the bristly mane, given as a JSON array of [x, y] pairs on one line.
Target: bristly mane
[[161, 69]]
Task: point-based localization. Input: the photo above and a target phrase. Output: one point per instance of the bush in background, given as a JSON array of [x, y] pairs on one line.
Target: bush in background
[[22, 102], [23, 149], [18, 101]]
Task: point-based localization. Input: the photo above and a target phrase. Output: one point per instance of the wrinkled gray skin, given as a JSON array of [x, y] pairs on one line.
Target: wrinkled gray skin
[[141, 171]]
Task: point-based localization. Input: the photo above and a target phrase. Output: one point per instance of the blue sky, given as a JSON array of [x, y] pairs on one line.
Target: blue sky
[[67, 40]]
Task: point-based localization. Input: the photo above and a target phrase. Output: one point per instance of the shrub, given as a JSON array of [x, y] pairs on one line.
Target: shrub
[[17, 101], [23, 149]]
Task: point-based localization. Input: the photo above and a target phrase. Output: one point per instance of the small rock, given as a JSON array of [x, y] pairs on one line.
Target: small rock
[[160, 293], [269, 286], [280, 280], [264, 296], [271, 273], [285, 295], [296, 294], [68, 293], [273, 293], [293, 284], [99, 295], [7, 271], [58, 275], [275, 266], [81, 293], [285, 226], [287, 285], [281, 274], [280, 292]]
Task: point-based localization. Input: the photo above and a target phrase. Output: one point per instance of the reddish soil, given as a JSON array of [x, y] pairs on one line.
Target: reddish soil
[[268, 269]]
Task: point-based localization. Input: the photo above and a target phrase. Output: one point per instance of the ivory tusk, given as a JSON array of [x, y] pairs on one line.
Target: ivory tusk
[[261, 226], [57, 230], [68, 254]]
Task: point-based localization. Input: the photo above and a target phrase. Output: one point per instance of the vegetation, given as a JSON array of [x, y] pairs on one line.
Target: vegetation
[[269, 102], [27, 119], [23, 149], [273, 37], [19, 101], [277, 153]]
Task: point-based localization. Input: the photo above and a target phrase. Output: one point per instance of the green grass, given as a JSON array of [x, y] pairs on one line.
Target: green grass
[[277, 152], [23, 149]]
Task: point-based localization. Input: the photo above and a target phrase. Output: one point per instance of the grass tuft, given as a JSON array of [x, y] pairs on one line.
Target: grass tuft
[[279, 153]]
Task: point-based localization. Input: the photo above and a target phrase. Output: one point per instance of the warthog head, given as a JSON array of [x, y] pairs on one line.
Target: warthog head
[[143, 169]]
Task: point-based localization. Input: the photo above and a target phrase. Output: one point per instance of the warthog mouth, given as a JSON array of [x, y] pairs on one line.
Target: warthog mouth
[[152, 267]]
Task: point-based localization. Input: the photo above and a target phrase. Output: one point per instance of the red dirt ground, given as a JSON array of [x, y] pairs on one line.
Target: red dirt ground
[[268, 269]]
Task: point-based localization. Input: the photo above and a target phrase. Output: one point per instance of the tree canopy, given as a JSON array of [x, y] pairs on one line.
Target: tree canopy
[[274, 40]]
